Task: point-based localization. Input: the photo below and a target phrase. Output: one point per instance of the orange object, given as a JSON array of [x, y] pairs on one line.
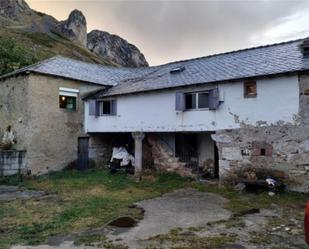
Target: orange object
[[306, 223]]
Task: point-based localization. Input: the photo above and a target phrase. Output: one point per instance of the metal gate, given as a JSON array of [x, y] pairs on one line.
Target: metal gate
[[83, 153]]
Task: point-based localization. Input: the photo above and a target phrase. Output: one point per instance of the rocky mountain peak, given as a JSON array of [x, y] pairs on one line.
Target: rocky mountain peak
[[17, 13], [115, 49], [75, 27], [15, 9]]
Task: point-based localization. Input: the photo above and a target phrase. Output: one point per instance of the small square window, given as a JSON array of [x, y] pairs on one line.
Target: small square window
[[250, 90], [67, 102], [190, 101]]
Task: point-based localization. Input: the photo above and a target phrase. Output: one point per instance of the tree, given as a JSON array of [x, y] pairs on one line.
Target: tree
[[13, 56]]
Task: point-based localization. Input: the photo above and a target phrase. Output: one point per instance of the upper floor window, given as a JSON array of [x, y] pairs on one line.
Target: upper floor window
[[102, 107], [250, 90], [106, 107], [68, 98], [208, 99], [197, 100]]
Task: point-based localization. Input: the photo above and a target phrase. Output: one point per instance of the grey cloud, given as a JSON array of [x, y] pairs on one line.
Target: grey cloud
[[172, 30]]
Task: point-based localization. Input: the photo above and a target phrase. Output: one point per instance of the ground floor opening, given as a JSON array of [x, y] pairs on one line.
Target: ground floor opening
[[190, 154]]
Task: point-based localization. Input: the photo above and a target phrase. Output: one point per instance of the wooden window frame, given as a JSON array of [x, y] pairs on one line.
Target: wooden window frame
[[196, 100], [247, 84], [112, 102]]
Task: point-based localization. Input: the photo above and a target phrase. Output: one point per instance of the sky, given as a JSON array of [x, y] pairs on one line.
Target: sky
[[167, 31]]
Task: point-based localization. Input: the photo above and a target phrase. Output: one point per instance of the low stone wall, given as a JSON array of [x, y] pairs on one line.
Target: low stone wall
[[284, 148], [100, 149], [12, 162]]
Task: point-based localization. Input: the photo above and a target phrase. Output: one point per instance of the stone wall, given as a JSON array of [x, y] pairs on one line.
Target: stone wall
[[100, 149], [14, 108], [282, 147], [30, 103], [12, 162], [53, 131], [164, 157]]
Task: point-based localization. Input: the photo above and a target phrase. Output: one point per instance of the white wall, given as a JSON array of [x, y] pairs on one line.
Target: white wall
[[206, 148], [277, 101]]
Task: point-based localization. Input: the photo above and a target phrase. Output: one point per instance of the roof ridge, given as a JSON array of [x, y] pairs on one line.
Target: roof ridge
[[233, 51], [89, 63]]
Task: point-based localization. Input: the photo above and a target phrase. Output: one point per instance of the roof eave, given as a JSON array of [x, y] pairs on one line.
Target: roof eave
[[211, 82]]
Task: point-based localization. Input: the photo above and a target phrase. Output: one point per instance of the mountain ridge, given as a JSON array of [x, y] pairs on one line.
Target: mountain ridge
[[40, 36]]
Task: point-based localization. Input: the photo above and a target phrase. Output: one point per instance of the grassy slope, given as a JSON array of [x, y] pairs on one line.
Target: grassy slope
[[41, 46]]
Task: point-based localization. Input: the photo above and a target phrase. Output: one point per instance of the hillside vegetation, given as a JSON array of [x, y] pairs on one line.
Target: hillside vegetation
[[19, 49]]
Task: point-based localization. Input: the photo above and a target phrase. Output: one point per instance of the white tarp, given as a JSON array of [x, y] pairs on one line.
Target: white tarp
[[8, 137], [122, 153]]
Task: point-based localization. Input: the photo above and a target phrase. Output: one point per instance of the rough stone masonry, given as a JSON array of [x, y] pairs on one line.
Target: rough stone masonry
[[282, 146]]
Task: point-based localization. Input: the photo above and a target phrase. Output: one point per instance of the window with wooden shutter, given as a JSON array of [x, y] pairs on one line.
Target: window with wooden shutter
[[214, 100], [92, 107], [180, 101], [114, 107], [198, 100], [106, 107]]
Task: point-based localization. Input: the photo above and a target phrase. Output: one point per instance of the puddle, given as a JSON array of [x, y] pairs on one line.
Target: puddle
[[123, 222]]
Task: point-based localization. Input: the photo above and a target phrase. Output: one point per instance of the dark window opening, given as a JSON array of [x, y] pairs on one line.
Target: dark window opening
[[263, 152], [203, 100], [250, 90], [106, 107], [67, 102], [190, 99]]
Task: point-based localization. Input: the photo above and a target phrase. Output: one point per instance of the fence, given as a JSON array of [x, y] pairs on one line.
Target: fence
[[12, 162]]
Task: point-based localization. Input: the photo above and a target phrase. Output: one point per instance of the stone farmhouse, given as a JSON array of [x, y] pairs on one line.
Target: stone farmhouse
[[221, 112]]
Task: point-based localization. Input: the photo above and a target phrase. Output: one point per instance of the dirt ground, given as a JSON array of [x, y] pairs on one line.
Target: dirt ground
[[188, 218]]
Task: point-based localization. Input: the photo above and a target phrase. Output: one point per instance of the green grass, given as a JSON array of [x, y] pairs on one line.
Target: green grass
[[83, 200], [241, 202], [41, 39], [177, 238]]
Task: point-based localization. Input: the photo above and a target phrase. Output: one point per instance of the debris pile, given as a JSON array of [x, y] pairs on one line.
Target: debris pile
[[258, 180]]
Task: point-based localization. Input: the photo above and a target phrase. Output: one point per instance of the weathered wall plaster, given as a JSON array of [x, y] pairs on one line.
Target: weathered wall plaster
[[155, 111], [49, 134]]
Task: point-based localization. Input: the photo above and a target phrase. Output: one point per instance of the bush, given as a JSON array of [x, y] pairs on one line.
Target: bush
[[13, 56]]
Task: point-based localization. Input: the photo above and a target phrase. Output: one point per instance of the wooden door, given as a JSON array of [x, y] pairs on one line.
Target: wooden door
[[83, 153]]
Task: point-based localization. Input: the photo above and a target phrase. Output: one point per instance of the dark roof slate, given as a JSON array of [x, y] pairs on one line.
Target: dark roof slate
[[82, 71], [248, 63]]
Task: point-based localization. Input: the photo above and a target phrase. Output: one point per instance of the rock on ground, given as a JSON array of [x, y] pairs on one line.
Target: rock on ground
[[10, 193]]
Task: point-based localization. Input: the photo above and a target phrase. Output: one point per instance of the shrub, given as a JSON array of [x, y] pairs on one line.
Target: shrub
[[13, 55]]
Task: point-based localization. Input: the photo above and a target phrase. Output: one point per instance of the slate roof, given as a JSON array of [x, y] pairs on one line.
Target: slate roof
[[248, 63], [78, 70], [267, 60]]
